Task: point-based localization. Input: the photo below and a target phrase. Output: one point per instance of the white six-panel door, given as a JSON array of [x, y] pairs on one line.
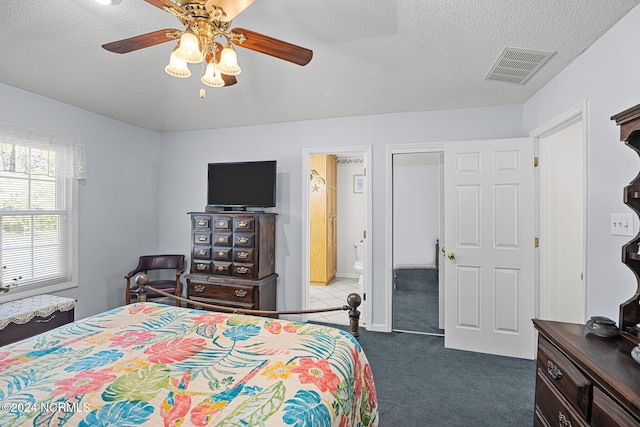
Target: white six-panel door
[[489, 252]]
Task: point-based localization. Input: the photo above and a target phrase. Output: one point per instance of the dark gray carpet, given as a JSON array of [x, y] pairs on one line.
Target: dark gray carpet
[[415, 300], [420, 383]]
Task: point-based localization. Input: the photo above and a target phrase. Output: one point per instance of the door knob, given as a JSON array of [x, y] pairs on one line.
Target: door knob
[[451, 256]]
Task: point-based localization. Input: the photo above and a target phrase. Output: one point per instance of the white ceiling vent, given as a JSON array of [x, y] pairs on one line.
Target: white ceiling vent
[[518, 65]]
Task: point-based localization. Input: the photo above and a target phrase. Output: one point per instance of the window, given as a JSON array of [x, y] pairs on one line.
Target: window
[[38, 182]]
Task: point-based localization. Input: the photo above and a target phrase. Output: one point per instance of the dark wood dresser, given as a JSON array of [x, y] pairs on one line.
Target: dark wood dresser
[[31, 316], [584, 380], [233, 259]]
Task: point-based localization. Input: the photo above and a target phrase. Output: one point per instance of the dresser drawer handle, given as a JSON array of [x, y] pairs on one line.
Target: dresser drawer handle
[[202, 252], [202, 223], [198, 288], [201, 267], [243, 270], [243, 255], [202, 238], [221, 224], [221, 253], [220, 239], [241, 293], [564, 422], [553, 370], [242, 224], [46, 320], [220, 268], [243, 240]]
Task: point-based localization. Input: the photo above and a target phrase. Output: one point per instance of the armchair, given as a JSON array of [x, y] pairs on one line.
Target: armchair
[[156, 262]]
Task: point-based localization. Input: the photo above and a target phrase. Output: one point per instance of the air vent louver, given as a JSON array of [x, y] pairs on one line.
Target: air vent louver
[[518, 65]]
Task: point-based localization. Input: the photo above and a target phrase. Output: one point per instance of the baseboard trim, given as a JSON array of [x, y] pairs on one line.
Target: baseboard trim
[[347, 275]]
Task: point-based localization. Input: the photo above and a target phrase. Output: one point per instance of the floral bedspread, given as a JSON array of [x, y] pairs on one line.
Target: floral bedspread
[[151, 364]]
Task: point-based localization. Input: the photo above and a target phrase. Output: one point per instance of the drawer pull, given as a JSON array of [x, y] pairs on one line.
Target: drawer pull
[[220, 239], [243, 240], [198, 288], [243, 270], [220, 268], [242, 224], [201, 267], [46, 320], [553, 370], [202, 238], [202, 223], [221, 224], [241, 293], [221, 253], [243, 255], [202, 252], [564, 422]]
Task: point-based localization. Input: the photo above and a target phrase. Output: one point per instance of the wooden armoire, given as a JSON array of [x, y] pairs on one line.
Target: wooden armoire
[[322, 219]]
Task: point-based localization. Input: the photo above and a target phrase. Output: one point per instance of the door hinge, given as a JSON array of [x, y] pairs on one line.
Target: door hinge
[[535, 162], [364, 172], [364, 296], [536, 242], [364, 234]]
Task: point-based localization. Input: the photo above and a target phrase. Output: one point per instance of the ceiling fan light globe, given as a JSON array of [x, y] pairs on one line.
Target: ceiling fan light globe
[[189, 50], [229, 62], [212, 77], [177, 67]]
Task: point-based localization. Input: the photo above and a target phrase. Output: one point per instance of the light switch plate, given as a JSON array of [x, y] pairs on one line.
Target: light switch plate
[[622, 225]]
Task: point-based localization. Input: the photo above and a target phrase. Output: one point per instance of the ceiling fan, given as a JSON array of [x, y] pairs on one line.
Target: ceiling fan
[[204, 22]]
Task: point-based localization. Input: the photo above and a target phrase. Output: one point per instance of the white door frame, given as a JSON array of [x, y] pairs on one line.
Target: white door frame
[[560, 122], [365, 152], [426, 147]]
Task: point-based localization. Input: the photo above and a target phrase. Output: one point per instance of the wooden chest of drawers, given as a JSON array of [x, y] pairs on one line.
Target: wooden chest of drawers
[[583, 380], [233, 244], [233, 291], [31, 316]]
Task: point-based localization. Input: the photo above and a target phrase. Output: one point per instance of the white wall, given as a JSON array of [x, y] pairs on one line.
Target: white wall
[[118, 204], [351, 217], [607, 76], [184, 157], [416, 214]]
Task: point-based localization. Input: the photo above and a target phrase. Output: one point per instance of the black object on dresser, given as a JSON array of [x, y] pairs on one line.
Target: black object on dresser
[[233, 259]]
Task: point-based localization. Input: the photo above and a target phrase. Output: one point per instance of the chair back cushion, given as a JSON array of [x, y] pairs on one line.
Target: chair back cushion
[[161, 262]]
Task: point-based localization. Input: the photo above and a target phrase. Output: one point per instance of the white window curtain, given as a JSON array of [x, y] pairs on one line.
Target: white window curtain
[[38, 175]]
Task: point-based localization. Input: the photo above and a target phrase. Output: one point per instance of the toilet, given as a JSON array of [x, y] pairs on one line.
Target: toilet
[[359, 264]]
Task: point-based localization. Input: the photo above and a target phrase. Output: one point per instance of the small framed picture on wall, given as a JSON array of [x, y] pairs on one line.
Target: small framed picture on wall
[[358, 183]]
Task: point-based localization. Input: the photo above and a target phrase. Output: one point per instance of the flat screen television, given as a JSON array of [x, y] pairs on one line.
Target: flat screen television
[[242, 185]]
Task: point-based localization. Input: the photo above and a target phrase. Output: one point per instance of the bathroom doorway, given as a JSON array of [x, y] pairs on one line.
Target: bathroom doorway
[[417, 223], [335, 230]]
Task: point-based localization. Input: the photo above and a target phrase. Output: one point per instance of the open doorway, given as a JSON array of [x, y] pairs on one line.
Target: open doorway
[[417, 219], [336, 217], [562, 184]]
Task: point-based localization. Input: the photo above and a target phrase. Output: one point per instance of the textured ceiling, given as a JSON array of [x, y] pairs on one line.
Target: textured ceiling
[[370, 57]]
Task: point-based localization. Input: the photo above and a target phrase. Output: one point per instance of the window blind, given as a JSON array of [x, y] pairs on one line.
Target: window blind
[[37, 212]]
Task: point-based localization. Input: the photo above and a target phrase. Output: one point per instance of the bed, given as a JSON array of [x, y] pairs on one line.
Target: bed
[[153, 364]]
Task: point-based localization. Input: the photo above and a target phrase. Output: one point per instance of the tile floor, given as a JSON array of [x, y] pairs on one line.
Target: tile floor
[[333, 295]]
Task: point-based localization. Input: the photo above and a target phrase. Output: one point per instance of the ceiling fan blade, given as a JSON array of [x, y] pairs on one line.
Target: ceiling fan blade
[[228, 80], [232, 8], [143, 40], [274, 47], [163, 4]]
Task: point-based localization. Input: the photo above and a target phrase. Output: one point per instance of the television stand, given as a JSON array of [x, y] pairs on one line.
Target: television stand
[[231, 209]]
